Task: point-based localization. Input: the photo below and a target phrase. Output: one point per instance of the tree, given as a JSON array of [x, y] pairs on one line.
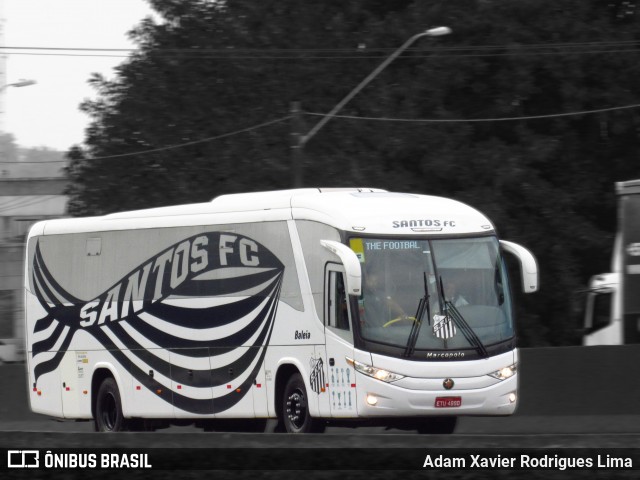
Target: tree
[[211, 68]]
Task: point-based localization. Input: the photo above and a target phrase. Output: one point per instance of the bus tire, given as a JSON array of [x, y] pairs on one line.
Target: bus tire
[[295, 409], [108, 413]]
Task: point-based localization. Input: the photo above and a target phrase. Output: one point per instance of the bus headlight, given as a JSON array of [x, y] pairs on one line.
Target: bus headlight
[[504, 373], [374, 372]]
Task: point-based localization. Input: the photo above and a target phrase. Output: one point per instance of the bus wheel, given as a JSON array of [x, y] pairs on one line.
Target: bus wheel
[[109, 417], [295, 408]]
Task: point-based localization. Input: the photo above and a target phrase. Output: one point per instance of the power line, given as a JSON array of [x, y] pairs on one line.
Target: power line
[[26, 202], [15, 201], [336, 53], [340, 57], [343, 57], [33, 163], [79, 49], [469, 120], [528, 54], [65, 55], [194, 142], [353, 117], [343, 49], [170, 147]]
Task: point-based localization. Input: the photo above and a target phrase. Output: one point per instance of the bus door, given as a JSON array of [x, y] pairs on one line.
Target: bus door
[[340, 376]]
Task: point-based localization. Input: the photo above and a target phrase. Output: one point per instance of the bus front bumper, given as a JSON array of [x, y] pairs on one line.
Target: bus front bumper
[[380, 399]]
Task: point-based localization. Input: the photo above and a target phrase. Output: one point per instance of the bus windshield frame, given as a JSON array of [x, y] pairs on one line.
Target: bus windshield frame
[[467, 310]]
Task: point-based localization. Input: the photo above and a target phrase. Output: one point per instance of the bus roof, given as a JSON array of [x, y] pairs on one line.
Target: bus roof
[[365, 210], [629, 187]]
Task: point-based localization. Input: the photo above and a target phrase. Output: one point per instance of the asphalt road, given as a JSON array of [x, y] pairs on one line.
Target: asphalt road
[[570, 398], [359, 454], [588, 390], [518, 424]]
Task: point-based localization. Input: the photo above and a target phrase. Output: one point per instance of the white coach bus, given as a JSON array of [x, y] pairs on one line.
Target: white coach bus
[[302, 305]]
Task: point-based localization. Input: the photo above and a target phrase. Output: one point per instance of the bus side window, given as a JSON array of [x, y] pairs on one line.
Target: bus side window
[[337, 308]]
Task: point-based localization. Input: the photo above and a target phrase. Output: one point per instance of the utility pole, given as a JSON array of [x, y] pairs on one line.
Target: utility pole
[[3, 68], [297, 155]]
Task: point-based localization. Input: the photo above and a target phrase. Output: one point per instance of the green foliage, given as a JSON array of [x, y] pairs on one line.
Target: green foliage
[[211, 68]]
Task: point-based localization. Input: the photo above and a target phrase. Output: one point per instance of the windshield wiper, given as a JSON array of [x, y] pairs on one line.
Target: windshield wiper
[[452, 312], [423, 306], [498, 287]]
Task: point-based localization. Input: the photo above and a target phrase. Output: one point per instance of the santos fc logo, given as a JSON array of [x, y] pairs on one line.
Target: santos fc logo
[[165, 273], [201, 298]]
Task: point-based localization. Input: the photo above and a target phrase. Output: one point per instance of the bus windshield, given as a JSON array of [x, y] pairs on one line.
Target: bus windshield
[[463, 282]]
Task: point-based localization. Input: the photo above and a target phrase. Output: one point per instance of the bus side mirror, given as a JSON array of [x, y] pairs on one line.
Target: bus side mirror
[[527, 264], [351, 265]]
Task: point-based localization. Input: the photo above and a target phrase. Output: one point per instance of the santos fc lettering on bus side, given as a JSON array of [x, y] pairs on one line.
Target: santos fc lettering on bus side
[[423, 223], [190, 256]]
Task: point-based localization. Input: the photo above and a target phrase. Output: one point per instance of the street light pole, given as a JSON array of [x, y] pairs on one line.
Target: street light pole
[[297, 154]]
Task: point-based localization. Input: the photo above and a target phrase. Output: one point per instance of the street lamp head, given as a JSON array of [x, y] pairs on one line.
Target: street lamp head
[[23, 83], [19, 83], [438, 31], [303, 139]]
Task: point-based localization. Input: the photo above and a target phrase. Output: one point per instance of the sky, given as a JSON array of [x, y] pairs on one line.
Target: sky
[[47, 113]]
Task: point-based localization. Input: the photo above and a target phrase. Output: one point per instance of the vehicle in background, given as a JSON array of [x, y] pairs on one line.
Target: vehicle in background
[[8, 352], [612, 312]]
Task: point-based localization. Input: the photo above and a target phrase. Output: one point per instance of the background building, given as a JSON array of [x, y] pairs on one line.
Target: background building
[[30, 191]]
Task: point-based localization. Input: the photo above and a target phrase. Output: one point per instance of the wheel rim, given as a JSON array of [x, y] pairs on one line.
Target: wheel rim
[[297, 409], [109, 411]]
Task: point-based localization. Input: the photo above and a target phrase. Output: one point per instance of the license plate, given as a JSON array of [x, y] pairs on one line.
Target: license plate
[[448, 402]]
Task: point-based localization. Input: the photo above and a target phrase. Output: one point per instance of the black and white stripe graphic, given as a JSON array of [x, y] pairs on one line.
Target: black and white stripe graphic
[[212, 312]]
